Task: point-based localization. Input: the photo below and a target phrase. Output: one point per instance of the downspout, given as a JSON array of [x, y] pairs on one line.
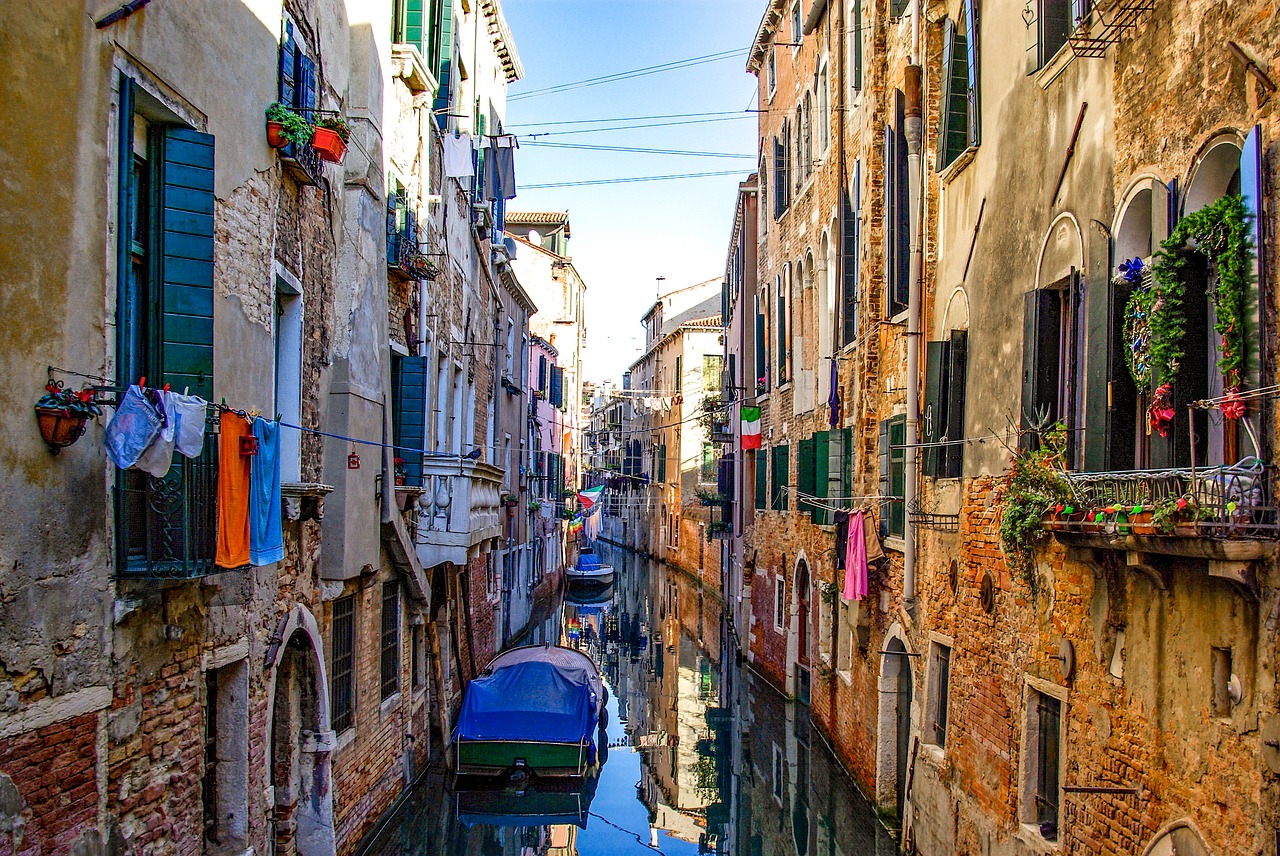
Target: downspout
[[913, 81]]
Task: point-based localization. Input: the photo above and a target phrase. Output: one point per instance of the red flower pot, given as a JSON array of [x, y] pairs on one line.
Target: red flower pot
[[330, 146], [59, 428], [275, 135]]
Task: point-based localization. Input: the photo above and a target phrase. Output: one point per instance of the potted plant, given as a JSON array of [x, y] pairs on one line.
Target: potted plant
[[1037, 485], [285, 126], [62, 414], [708, 497], [402, 475], [330, 138], [510, 500]]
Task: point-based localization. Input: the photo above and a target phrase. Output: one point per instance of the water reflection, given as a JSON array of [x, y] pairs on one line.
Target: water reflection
[[702, 755]]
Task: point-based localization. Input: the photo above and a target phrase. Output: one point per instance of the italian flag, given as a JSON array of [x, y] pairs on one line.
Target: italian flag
[[590, 496], [750, 427]]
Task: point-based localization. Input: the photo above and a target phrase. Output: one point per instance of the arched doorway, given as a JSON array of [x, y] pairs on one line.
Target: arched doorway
[[301, 742], [799, 636], [894, 733], [1180, 840]]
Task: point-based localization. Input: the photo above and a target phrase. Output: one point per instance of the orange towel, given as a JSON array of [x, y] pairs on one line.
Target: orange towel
[[233, 493]]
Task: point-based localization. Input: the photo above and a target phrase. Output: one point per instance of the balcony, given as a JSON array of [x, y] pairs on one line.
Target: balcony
[[168, 526], [458, 510], [1106, 26], [303, 163], [1226, 515]]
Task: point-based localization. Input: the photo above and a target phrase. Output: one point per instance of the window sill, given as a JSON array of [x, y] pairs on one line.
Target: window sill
[[934, 753], [1029, 835], [845, 676], [896, 543], [389, 704], [951, 170], [1051, 70], [344, 739]]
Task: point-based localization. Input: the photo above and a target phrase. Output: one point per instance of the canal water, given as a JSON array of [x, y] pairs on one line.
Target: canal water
[[702, 755]]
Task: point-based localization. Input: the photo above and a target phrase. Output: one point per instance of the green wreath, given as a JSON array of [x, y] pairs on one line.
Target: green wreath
[[1155, 316]]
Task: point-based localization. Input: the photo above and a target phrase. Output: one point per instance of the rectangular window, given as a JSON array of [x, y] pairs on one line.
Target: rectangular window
[[893, 475], [761, 383], [679, 378], [939, 691], [1048, 26], [780, 327], [418, 650], [812, 461], [823, 119], [772, 74], [898, 8], [958, 119], [1044, 733], [1051, 358], [707, 471], [897, 226], [1221, 682], [662, 462], [390, 639], [165, 330], [409, 415], [942, 421], [712, 369], [342, 679], [226, 755], [850, 295], [779, 604], [781, 477], [855, 33], [762, 479]]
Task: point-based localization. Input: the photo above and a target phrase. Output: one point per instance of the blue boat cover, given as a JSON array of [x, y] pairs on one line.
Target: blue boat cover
[[532, 700], [588, 562]]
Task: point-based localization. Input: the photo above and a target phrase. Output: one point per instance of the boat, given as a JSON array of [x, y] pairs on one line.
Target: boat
[[546, 802], [534, 710], [598, 597], [589, 569]]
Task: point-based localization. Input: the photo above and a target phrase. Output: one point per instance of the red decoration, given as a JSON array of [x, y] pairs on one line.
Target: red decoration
[[1232, 405], [248, 446], [1161, 412]]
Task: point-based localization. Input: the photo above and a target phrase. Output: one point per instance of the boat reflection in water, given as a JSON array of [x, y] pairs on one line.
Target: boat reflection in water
[[703, 756]]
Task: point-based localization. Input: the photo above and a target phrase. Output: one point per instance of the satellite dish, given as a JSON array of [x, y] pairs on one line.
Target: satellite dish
[[535, 238]]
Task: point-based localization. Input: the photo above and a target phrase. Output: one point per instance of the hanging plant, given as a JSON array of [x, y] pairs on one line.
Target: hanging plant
[[1036, 486], [1155, 317]]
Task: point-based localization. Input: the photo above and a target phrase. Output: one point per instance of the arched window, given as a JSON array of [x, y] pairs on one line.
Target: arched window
[[824, 112], [808, 134]]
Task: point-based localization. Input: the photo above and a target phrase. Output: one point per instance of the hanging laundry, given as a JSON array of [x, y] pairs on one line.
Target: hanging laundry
[[457, 156], [855, 562], [233, 493], [132, 430], [158, 457], [833, 400], [192, 412], [875, 551], [266, 536], [500, 168], [842, 538]]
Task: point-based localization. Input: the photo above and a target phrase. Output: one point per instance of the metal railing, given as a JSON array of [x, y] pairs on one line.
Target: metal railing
[[1225, 502]]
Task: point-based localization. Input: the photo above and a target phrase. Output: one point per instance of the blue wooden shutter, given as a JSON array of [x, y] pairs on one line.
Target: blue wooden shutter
[[1251, 190], [411, 415], [413, 23], [288, 66], [556, 396], [445, 71], [393, 230], [186, 261], [307, 86], [971, 42], [542, 372], [953, 118]]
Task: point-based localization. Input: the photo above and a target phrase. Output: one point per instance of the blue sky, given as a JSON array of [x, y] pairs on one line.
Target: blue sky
[[627, 235]]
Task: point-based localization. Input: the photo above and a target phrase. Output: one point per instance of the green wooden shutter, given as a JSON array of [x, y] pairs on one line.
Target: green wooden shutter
[[885, 484], [846, 462], [542, 372], [762, 356], [933, 418], [679, 374], [762, 480], [413, 23], [953, 119], [445, 71], [1040, 337], [806, 475], [957, 373], [849, 296], [857, 45], [556, 395], [662, 463], [897, 475], [821, 470], [411, 415], [186, 261], [781, 477]]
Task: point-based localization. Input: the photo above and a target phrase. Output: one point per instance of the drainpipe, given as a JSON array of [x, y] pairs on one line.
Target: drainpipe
[[915, 133]]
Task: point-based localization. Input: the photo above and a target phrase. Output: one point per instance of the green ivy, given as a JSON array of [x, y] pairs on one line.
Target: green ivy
[[1220, 233], [1036, 484]]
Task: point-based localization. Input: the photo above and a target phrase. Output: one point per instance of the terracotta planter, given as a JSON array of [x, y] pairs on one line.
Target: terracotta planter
[[330, 146], [59, 428], [275, 135]]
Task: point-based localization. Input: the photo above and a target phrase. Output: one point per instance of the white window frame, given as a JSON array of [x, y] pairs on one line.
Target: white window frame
[[934, 683], [1030, 751], [779, 603], [823, 132]]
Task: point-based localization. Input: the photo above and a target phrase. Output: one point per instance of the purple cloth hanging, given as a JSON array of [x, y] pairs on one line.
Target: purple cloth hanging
[[833, 400], [855, 563]]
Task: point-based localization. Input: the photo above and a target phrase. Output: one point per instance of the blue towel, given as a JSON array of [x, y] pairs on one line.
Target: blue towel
[[266, 538]]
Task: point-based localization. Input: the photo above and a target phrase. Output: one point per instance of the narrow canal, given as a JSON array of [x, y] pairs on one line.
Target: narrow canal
[[703, 756]]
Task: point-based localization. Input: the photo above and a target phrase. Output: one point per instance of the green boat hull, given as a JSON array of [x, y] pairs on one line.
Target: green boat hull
[[493, 757]]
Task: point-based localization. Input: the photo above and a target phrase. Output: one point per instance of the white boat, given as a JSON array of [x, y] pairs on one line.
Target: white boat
[[589, 569]]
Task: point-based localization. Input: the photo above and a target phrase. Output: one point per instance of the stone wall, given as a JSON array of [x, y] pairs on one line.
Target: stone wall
[[49, 789]]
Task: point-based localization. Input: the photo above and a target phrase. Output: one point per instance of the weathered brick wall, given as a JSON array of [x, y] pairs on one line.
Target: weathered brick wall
[[50, 784]]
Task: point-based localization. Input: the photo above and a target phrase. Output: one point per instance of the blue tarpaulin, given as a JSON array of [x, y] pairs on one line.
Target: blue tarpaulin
[[533, 700], [588, 562]]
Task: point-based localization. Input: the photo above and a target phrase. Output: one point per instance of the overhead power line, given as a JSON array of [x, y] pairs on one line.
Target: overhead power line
[[633, 127], [628, 119], [628, 75], [633, 179], [633, 149]]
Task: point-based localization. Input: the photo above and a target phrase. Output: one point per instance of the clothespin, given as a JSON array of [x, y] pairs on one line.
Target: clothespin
[[142, 381], [185, 390], [166, 387]]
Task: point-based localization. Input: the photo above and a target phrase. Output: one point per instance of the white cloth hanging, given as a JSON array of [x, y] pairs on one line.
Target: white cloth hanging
[[457, 156]]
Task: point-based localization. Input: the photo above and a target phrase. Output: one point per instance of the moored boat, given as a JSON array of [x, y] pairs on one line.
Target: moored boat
[[534, 709], [589, 569]]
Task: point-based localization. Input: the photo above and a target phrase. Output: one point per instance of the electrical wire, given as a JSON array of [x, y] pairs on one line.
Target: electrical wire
[[630, 74], [632, 179], [626, 119], [632, 127], [635, 150]]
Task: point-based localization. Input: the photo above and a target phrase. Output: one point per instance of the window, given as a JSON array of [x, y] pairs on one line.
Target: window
[[958, 121], [762, 480], [1041, 771], [806, 137], [288, 348], [781, 171], [511, 349], [779, 603], [418, 650], [942, 421], [417, 23], [1048, 26], [707, 471], [679, 374], [893, 475], [390, 638], [761, 383], [342, 679], [1050, 357], [779, 772], [939, 691], [164, 319], [897, 226], [855, 36], [298, 81], [898, 8], [782, 287], [662, 462], [1221, 682], [850, 296], [712, 368], [797, 26], [812, 460], [556, 394], [772, 74], [781, 477], [226, 755], [824, 112], [409, 414], [441, 59]]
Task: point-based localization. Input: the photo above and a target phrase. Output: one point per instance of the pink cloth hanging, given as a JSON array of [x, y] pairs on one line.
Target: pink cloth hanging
[[855, 562]]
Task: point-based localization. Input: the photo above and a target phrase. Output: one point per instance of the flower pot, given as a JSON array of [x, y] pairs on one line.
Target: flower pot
[[329, 144], [59, 428], [275, 135]]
